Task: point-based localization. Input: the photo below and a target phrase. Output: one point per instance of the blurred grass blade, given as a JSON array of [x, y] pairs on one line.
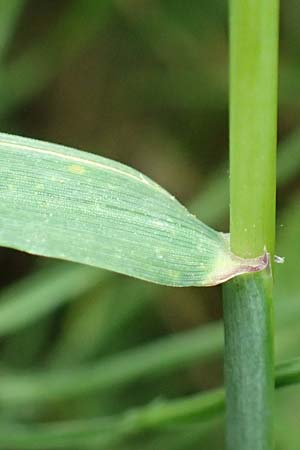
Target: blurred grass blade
[[45, 290], [107, 430], [288, 159], [287, 282], [72, 32], [63, 203], [288, 373], [162, 356], [9, 14], [102, 321]]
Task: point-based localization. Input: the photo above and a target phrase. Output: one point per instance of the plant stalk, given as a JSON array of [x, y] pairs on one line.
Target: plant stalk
[[248, 308]]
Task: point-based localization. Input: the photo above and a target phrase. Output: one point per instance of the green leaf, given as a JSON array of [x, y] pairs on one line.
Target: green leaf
[[65, 40], [162, 356], [10, 12], [63, 203], [288, 372], [41, 292], [102, 432], [114, 429]]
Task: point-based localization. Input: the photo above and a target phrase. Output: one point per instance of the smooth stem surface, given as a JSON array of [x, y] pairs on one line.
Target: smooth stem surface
[[248, 309], [249, 372], [253, 106]]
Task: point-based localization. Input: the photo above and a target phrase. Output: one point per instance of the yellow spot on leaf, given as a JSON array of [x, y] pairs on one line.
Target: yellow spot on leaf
[[79, 170]]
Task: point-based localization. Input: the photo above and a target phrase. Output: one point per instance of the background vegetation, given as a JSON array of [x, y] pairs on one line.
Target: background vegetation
[[144, 82]]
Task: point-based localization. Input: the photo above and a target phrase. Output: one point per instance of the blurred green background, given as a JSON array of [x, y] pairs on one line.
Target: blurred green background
[[144, 82]]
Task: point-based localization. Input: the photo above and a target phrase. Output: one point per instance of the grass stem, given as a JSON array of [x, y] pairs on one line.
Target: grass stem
[[248, 308]]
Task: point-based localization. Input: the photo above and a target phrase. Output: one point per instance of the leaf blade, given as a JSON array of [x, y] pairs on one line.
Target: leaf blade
[[60, 202]]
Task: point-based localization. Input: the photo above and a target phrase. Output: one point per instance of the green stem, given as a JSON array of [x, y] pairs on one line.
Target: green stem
[[253, 109], [248, 308], [249, 372]]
